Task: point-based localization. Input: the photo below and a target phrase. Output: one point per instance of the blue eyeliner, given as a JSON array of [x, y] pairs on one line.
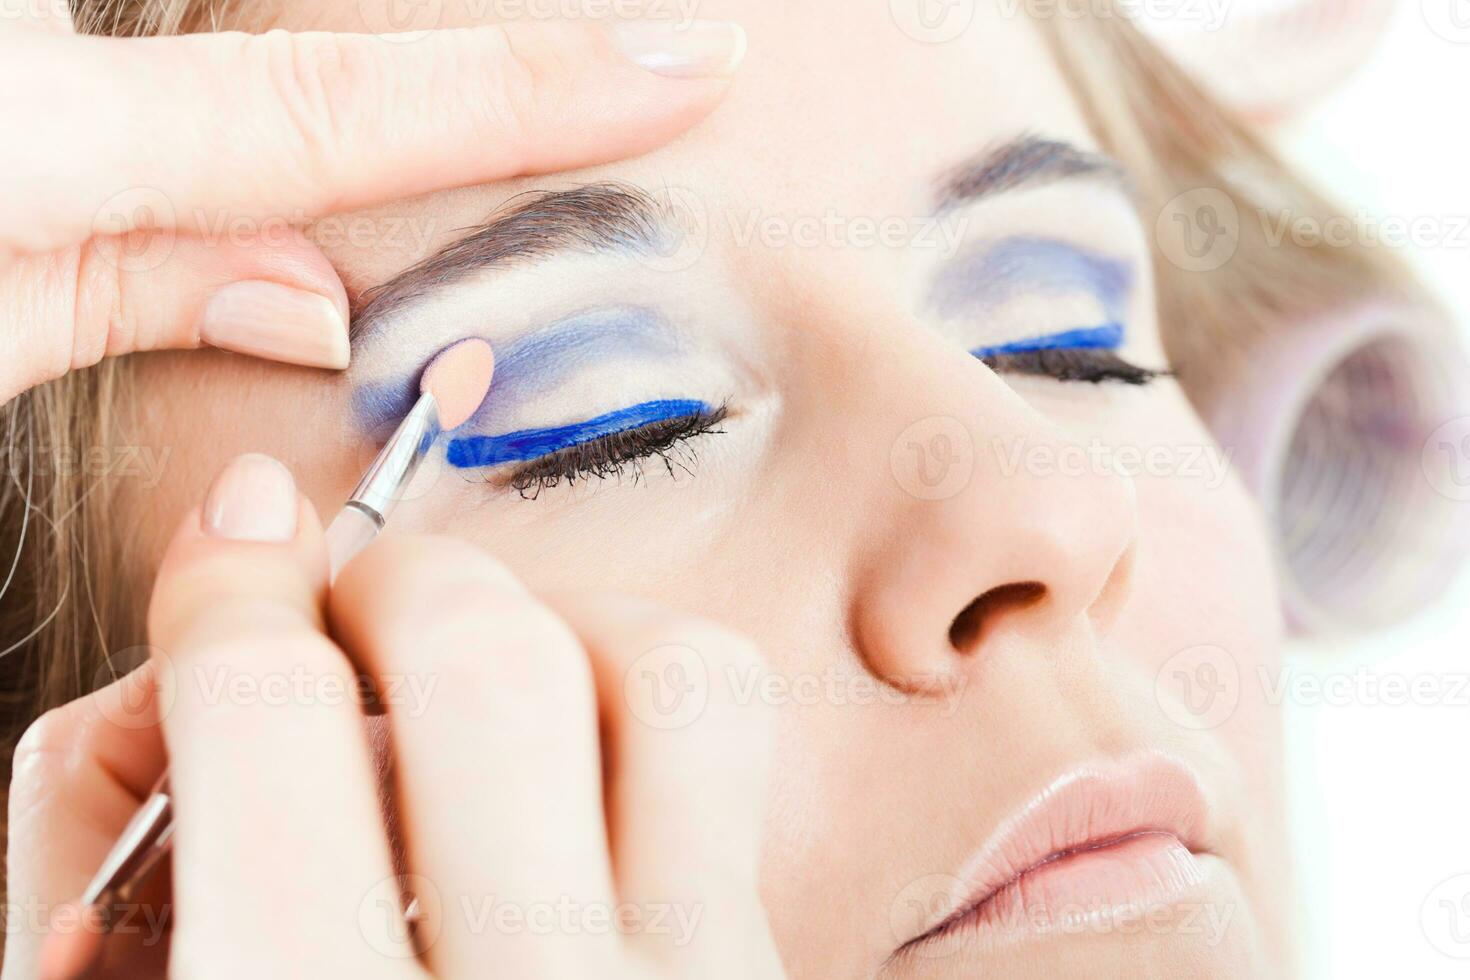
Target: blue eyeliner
[[984, 279], [1109, 336], [474, 452]]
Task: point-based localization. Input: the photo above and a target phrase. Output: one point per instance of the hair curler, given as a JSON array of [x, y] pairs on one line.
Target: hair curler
[[1354, 433]]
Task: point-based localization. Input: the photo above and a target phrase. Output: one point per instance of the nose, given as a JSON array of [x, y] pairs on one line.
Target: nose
[[996, 522]]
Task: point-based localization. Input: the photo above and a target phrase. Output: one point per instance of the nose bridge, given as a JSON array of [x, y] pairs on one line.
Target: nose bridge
[[997, 518]]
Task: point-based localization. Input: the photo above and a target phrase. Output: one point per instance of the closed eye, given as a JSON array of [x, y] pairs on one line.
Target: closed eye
[[1085, 354], [1095, 366], [602, 447]]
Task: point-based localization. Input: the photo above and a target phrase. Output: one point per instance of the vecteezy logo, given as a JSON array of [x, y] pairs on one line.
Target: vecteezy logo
[[401, 20], [921, 905], [684, 233], [1445, 459], [1445, 917], [1199, 687], [142, 219], [1199, 230], [1450, 19], [401, 916], [934, 458], [667, 687], [932, 21], [144, 699]]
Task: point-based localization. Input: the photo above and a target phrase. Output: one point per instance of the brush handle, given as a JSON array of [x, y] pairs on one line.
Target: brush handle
[[149, 835]]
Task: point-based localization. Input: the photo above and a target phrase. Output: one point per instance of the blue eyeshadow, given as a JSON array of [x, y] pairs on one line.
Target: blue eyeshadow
[[1106, 337], [473, 452], [529, 365], [985, 278]]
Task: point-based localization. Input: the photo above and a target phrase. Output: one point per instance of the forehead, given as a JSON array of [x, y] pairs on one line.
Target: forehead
[[842, 111]]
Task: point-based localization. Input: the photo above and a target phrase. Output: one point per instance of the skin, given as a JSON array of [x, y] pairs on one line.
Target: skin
[[798, 534], [89, 268]]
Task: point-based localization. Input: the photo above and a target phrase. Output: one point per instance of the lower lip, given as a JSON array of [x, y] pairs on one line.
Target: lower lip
[[1123, 877]]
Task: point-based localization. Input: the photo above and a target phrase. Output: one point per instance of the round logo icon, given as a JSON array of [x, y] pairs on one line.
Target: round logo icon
[[932, 21], [1449, 19], [430, 470], [683, 233], [401, 21], [1199, 230], [145, 697], [667, 687], [920, 906], [1445, 917], [1445, 459], [142, 219], [401, 916], [934, 458], [1199, 687]]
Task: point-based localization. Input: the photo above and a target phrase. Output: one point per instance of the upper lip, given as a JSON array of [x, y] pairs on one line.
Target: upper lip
[[1089, 807]]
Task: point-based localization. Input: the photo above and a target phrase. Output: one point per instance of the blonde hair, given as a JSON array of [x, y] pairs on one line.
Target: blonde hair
[[65, 607], [137, 18]]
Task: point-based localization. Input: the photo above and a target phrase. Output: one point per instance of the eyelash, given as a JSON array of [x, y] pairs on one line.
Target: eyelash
[[1073, 364], [669, 439], [612, 455]]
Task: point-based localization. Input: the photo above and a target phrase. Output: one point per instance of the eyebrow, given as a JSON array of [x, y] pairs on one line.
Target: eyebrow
[[604, 217], [1027, 161], [612, 217]]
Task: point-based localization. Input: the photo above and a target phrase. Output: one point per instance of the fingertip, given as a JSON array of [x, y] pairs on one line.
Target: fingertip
[[277, 323], [698, 49], [251, 512]]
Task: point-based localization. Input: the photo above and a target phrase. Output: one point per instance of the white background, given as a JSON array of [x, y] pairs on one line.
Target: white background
[[1381, 793]]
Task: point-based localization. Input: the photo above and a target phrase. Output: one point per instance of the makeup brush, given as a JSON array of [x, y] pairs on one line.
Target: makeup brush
[[452, 388]]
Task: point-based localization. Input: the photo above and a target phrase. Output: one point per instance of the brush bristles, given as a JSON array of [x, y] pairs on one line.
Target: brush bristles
[[459, 379]]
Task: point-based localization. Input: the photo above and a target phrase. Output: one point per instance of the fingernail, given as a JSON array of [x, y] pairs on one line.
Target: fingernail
[[253, 499], [696, 49], [266, 319]]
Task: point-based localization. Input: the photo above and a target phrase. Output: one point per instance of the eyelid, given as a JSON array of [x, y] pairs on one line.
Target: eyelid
[[1109, 336], [478, 452], [993, 273]]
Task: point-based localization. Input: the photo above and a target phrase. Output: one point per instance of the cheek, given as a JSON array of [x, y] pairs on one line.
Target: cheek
[[1205, 625], [1206, 615], [1205, 571]]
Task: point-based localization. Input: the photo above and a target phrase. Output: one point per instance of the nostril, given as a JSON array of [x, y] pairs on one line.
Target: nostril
[[964, 632]]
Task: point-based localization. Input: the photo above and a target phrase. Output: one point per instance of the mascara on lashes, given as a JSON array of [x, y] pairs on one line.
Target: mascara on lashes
[[475, 452]]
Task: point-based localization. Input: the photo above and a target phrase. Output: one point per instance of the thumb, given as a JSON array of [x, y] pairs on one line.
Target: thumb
[[307, 124], [271, 294]]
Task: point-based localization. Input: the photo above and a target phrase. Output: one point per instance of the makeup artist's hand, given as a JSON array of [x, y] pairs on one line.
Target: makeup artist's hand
[[154, 190], [546, 794], [79, 773]]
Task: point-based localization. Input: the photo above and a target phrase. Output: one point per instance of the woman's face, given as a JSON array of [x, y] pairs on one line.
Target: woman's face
[[967, 609]]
